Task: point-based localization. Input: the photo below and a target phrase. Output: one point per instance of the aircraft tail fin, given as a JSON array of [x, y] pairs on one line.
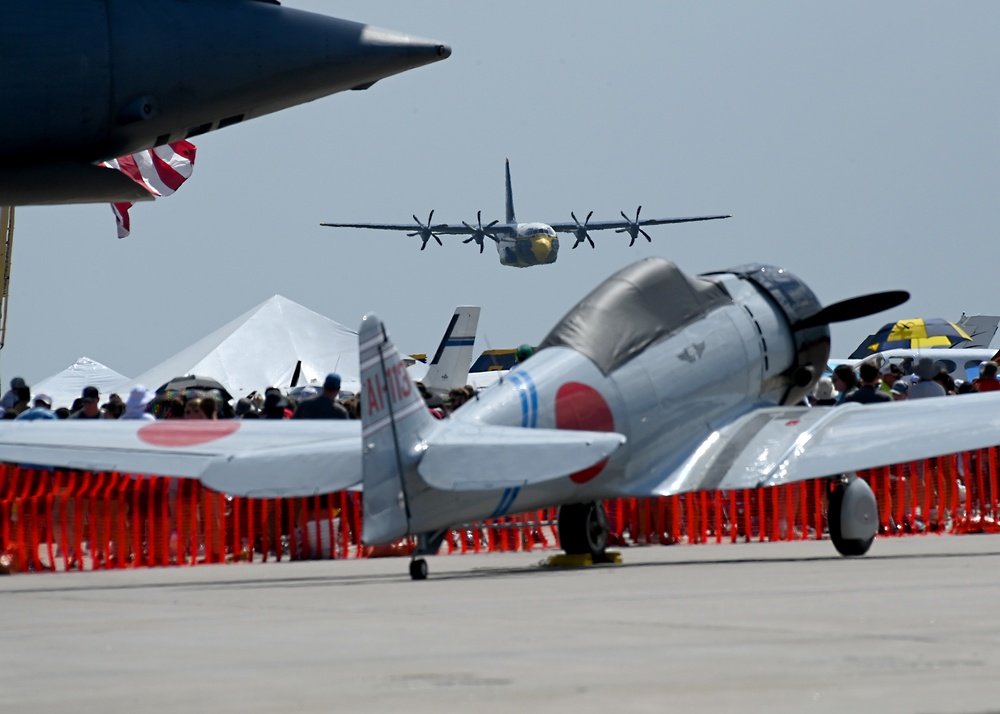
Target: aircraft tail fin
[[510, 197], [449, 368], [394, 420]]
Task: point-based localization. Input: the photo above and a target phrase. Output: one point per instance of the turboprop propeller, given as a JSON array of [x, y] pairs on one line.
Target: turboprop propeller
[[479, 233], [634, 228], [425, 232], [581, 230]]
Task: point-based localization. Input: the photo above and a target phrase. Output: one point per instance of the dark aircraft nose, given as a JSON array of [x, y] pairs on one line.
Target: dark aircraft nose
[[86, 84], [388, 52]]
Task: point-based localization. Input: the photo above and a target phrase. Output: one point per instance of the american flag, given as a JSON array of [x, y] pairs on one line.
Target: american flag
[[160, 170]]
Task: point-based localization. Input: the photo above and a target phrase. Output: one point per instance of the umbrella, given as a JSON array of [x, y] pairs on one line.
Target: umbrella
[[912, 334], [194, 381]]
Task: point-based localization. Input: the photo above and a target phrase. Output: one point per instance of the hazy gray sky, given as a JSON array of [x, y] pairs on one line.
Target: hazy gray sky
[[855, 144]]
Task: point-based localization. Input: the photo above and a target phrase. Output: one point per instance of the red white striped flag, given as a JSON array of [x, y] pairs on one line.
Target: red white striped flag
[[160, 170]]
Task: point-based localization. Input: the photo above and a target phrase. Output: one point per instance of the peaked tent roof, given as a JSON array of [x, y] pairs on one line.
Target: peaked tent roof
[[262, 347], [67, 385]]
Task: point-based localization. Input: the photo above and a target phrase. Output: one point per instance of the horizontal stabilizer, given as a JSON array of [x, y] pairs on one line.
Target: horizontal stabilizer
[[465, 457], [774, 446]]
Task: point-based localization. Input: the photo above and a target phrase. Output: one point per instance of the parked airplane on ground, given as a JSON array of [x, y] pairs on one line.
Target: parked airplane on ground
[[960, 363], [84, 82], [656, 383], [523, 245], [449, 368]]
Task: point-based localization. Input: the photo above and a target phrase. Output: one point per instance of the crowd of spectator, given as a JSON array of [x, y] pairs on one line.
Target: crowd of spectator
[[325, 401], [868, 384]]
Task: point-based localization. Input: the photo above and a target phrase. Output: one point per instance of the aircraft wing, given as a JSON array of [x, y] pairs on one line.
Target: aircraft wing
[[442, 228], [774, 446], [237, 457], [466, 457], [610, 225]]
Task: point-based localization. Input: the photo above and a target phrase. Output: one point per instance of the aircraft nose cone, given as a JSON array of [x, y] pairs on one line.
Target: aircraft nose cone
[[396, 52], [541, 247]]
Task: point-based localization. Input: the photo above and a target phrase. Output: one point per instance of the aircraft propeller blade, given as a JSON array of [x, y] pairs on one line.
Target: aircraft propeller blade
[[855, 307], [581, 230], [480, 233], [425, 232], [633, 229]]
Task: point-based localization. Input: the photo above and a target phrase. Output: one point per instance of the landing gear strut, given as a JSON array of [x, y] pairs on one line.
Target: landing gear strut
[[583, 529], [852, 516]]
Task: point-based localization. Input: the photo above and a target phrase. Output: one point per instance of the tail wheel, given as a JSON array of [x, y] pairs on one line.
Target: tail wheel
[[583, 529], [852, 517], [418, 569]]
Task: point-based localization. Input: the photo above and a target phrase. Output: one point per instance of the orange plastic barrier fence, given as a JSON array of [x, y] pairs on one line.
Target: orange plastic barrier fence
[[68, 520]]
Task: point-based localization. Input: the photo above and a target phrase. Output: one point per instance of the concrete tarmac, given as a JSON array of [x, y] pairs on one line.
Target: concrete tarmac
[[914, 626]]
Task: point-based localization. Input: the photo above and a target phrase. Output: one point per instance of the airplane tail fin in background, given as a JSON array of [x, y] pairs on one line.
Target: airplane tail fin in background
[[394, 419], [450, 367], [510, 197]]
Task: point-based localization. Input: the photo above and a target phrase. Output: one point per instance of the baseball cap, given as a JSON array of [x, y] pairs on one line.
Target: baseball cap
[[90, 394], [332, 381]]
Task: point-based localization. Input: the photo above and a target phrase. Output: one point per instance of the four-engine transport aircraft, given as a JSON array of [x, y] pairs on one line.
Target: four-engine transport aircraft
[[84, 82], [656, 383], [523, 245]]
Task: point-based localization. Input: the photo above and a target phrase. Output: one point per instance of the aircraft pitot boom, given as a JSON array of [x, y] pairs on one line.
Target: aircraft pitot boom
[[656, 383]]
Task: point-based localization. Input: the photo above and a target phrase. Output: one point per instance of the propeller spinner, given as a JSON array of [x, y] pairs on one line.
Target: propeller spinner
[[480, 233], [633, 229], [425, 231]]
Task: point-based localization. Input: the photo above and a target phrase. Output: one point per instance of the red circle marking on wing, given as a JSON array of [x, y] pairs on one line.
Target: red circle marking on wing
[[180, 433], [582, 408]]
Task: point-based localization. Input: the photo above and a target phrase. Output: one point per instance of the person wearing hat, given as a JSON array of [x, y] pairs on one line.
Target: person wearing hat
[[890, 374], [823, 394], [523, 352], [326, 404], [987, 381], [137, 402], [246, 409], [42, 409], [89, 405], [899, 390], [926, 370]]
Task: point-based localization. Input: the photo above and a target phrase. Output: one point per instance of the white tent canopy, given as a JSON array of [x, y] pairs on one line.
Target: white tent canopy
[[262, 348], [67, 385]]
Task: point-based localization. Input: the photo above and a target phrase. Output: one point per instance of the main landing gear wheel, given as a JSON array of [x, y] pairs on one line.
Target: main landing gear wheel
[[852, 516], [583, 529], [418, 569]]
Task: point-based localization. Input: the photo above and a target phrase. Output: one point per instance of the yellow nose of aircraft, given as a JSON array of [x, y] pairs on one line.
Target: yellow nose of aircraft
[[541, 246]]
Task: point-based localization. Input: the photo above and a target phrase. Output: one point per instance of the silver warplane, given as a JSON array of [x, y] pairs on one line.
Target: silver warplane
[[523, 245], [656, 383], [83, 82]]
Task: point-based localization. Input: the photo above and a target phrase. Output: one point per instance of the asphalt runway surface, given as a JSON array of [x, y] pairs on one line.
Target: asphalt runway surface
[[785, 627]]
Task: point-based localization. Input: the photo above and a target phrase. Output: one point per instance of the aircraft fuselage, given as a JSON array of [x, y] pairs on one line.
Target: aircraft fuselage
[[666, 396], [531, 244]]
